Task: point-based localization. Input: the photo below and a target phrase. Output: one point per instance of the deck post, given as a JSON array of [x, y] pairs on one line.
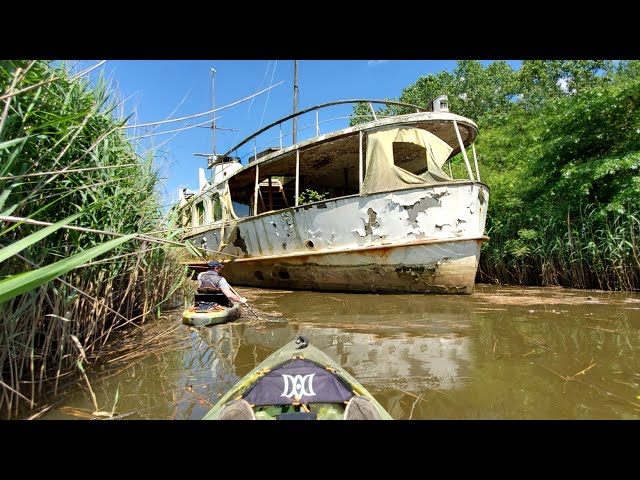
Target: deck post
[[297, 175], [373, 112], [475, 160], [360, 164], [255, 150], [295, 101], [464, 152], [256, 191]]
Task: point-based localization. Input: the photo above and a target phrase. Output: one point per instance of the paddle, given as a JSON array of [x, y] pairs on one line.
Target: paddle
[[245, 304]]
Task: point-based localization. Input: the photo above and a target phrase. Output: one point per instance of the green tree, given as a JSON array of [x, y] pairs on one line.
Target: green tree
[[479, 91], [567, 174], [473, 91], [540, 80], [628, 69]]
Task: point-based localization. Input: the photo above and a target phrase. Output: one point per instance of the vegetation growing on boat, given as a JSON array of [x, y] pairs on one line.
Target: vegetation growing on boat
[[560, 149], [310, 196], [65, 160]]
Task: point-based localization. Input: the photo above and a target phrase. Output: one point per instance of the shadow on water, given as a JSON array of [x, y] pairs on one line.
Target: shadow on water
[[501, 353]]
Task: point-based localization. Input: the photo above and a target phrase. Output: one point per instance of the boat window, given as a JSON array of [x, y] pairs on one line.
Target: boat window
[[329, 171], [410, 157], [242, 209], [200, 213], [217, 208]]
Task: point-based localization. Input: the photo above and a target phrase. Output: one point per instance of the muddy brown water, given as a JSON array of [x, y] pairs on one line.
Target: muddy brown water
[[500, 353]]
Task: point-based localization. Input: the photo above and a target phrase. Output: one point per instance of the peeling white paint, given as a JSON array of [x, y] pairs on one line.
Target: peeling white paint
[[378, 232], [346, 222], [359, 231], [409, 199], [384, 219]]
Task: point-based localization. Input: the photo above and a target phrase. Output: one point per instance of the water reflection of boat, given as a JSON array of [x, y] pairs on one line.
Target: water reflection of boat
[[406, 361], [401, 367], [268, 336], [210, 309], [222, 345], [298, 382]]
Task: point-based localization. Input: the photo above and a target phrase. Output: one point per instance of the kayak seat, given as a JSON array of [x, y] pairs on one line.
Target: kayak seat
[[237, 410], [361, 408], [218, 297]]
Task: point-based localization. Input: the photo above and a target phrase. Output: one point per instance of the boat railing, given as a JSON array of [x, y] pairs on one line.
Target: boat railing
[[282, 137]]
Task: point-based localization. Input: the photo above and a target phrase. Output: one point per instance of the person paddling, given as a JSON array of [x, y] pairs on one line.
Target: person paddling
[[212, 281]]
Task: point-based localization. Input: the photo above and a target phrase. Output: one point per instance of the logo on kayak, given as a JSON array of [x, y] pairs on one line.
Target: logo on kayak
[[298, 385]]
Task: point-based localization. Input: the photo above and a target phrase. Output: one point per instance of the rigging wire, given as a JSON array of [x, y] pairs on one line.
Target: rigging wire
[[176, 130], [199, 114], [266, 72], [268, 94]]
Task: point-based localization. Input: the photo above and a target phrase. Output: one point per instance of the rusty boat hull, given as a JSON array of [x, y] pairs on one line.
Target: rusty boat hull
[[443, 267]]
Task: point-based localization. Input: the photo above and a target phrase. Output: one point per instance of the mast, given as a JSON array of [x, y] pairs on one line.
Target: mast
[[295, 100], [213, 114]]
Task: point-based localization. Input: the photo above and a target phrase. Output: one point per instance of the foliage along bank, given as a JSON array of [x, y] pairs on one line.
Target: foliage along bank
[[559, 146]]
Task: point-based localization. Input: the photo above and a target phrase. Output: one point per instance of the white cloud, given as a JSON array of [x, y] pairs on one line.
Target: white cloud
[[373, 63]]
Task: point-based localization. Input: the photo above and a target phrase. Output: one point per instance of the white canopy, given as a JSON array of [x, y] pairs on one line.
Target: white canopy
[[383, 174]]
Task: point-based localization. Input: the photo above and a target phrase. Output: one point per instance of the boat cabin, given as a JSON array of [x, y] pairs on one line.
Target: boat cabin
[[379, 155]]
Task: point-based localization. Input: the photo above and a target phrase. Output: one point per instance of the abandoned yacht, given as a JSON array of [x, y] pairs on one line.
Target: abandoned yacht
[[373, 207]]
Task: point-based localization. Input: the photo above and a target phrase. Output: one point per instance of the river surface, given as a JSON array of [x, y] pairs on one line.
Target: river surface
[[500, 353]]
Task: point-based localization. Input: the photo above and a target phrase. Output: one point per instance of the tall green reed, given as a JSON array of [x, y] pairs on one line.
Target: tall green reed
[[63, 158], [598, 249]]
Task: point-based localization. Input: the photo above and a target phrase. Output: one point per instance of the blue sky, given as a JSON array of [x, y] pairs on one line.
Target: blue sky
[[156, 90]]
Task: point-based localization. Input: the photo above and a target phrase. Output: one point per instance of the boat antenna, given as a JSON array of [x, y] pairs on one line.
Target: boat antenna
[[295, 100], [213, 107]]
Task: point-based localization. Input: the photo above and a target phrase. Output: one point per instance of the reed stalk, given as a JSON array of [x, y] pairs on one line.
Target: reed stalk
[[595, 250]]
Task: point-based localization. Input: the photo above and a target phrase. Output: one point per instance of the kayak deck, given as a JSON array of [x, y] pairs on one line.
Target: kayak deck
[[298, 382], [210, 309]]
